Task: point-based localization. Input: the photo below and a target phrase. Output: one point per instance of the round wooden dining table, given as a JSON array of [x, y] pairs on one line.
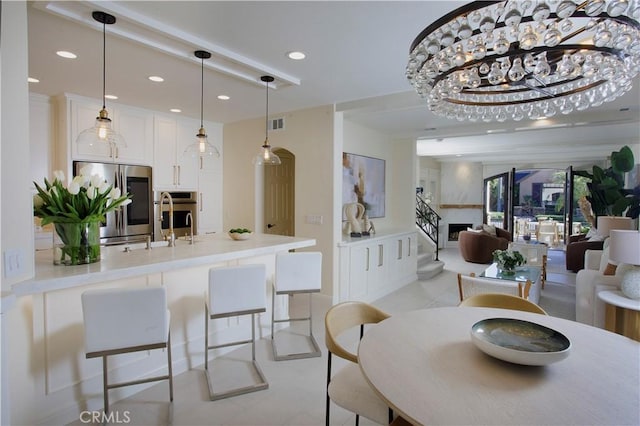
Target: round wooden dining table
[[425, 366]]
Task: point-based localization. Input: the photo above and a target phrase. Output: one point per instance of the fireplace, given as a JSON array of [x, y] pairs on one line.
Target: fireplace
[[455, 228]]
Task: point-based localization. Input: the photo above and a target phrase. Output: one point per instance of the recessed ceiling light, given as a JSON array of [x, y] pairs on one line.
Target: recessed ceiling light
[[112, 97], [65, 54], [33, 80], [296, 56], [156, 78], [223, 97], [175, 110]]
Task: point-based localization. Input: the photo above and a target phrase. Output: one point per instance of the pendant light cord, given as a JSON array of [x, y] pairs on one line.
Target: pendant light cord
[[266, 117], [201, 92], [104, 63]]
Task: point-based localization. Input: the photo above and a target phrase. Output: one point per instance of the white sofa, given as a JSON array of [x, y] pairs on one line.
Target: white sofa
[[590, 281]]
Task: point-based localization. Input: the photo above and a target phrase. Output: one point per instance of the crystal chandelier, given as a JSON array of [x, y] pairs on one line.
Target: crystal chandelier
[[499, 60]]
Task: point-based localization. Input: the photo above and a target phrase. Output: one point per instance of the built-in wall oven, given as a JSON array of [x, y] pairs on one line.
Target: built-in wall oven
[[133, 222], [184, 202]]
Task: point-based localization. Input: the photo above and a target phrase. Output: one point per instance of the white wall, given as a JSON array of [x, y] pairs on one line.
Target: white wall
[[429, 178], [17, 222], [400, 174], [308, 134], [461, 184], [41, 136], [16, 231], [317, 137]]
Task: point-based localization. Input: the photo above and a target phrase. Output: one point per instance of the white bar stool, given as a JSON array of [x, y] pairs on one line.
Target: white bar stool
[[296, 273], [235, 291], [118, 321]]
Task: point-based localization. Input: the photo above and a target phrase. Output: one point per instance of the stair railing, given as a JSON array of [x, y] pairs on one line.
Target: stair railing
[[428, 221]]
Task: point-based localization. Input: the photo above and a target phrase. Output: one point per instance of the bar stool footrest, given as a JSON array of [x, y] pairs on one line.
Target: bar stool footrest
[[299, 355], [261, 385], [137, 382]]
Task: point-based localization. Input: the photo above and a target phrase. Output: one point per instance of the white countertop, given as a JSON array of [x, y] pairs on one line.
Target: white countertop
[[352, 241], [117, 264]]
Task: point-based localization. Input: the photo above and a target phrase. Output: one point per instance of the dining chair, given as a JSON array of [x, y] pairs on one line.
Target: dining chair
[[469, 285], [348, 387], [548, 232], [235, 291], [522, 227], [124, 320], [536, 255], [502, 300]]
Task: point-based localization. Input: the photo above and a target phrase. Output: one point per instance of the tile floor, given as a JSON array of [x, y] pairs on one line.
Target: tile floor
[[296, 394]]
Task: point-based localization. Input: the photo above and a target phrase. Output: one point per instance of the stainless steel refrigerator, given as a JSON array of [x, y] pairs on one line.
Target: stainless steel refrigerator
[[133, 222]]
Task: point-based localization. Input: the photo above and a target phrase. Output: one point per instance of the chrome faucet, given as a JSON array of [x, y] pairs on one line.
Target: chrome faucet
[[171, 238], [189, 221]]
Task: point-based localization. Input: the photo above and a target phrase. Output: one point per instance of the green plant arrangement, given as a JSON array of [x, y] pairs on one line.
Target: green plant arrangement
[[508, 260], [607, 194], [76, 212]]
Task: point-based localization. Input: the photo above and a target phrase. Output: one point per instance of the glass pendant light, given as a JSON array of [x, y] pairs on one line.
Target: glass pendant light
[[201, 147], [102, 132], [266, 157]]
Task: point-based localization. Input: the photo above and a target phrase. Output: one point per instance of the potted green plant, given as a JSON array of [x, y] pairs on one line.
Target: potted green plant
[[607, 194], [508, 260]]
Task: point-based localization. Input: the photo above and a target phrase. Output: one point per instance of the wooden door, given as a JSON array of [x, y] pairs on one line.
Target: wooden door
[[279, 196]]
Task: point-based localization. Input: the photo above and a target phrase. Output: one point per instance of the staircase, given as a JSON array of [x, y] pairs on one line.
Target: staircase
[[428, 224]]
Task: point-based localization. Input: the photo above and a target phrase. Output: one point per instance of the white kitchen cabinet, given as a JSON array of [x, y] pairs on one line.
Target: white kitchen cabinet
[[209, 202], [135, 125], [404, 252], [371, 267], [367, 270], [41, 137], [188, 165], [171, 168], [210, 184]]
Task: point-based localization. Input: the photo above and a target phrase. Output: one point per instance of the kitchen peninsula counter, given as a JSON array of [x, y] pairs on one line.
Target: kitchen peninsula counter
[[116, 263], [51, 333]]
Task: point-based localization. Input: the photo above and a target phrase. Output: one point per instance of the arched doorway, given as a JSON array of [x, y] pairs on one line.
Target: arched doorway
[[279, 195]]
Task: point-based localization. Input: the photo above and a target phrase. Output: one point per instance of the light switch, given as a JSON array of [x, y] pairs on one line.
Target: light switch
[[13, 262], [314, 219]]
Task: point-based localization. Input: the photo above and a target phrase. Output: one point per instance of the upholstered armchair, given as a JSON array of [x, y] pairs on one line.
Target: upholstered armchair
[[478, 246], [575, 253], [576, 247], [590, 281]]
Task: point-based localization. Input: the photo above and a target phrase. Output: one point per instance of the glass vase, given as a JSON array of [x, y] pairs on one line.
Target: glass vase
[[506, 270], [77, 243]]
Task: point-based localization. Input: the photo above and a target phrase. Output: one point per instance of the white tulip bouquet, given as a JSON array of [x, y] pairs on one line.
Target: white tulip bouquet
[[86, 199], [76, 211]]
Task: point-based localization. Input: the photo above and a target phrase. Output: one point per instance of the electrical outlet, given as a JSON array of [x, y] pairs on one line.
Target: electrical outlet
[[13, 262]]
